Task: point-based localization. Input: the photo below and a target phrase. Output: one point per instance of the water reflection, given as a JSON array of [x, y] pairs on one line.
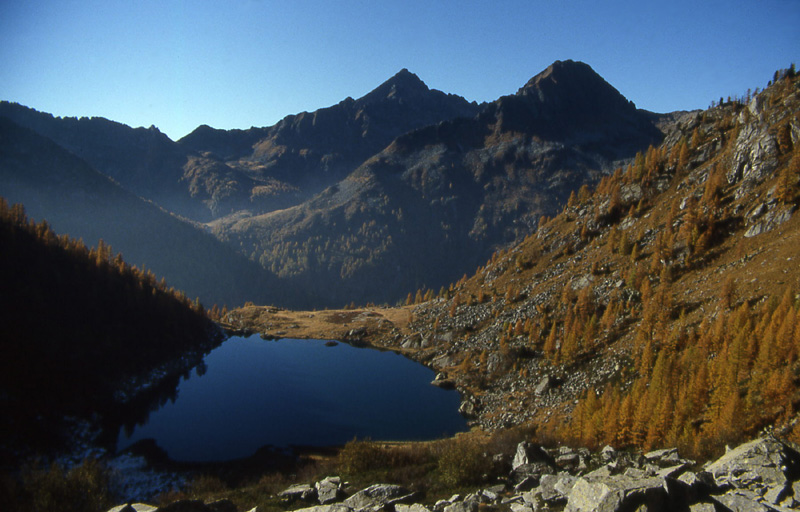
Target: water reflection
[[249, 393]]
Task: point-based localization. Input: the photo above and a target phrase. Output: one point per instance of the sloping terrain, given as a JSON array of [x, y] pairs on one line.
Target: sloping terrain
[[61, 188], [664, 303], [659, 309], [438, 200], [77, 326], [368, 199]]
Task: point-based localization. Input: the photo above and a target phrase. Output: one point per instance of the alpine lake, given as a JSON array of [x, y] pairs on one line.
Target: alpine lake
[[251, 393]]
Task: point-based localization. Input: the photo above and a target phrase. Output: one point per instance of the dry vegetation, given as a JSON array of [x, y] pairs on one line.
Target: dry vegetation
[[652, 272]]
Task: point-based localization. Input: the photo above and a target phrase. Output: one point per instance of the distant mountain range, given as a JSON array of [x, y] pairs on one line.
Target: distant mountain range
[[366, 200]]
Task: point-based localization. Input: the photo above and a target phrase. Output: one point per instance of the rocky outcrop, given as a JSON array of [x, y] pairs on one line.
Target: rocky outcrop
[[761, 475]]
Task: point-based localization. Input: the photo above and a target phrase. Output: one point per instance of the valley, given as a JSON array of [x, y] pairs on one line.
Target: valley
[[599, 283]]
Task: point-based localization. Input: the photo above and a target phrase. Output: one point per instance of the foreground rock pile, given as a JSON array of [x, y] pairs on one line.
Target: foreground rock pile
[[761, 475]]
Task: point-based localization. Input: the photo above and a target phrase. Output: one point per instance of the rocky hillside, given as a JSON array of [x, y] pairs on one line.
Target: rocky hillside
[[464, 186], [659, 309]]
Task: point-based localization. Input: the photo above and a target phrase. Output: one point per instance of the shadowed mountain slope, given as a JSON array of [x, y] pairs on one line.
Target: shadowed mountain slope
[[438, 200], [61, 188]]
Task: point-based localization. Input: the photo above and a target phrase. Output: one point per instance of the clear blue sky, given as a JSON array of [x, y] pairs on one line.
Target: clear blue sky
[[240, 63]]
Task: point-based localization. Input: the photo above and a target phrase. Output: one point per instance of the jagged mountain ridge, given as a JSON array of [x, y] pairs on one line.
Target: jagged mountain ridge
[[55, 185], [211, 172], [307, 152], [434, 176], [463, 186]]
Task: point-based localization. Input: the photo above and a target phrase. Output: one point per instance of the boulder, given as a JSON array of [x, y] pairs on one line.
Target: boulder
[[522, 507], [737, 501], [328, 489], [462, 506], [552, 490], [298, 492], [334, 507], [617, 493], [757, 466], [543, 386], [378, 497], [443, 382], [668, 455], [416, 507], [528, 453], [703, 507]]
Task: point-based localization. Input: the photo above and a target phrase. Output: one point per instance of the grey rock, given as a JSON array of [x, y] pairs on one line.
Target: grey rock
[[569, 460], [738, 502], [522, 507], [378, 497], [443, 382], [671, 471], [543, 386], [775, 495], [298, 492], [607, 453], [489, 495], [416, 507], [526, 484], [462, 506], [328, 489], [702, 507], [517, 498], [467, 409], [758, 466], [615, 494], [532, 470], [524, 454], [755, 154], [602, 471], [564, 484], [669, 454], [333, 507], [440, 505], [636, 473]]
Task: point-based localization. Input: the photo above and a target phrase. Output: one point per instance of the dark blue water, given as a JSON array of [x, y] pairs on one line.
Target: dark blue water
[[298, 392]]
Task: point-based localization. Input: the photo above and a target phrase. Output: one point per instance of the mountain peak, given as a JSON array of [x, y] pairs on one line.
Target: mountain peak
[[403, 84], [573, 90], [567, 75]]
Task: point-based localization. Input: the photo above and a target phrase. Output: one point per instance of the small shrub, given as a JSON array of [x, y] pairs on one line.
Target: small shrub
[[462, 461], [360, 456], [83, 488], [206, 485]]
